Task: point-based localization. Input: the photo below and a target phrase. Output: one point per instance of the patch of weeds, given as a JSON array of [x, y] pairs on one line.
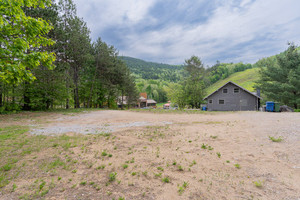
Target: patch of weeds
[[74, 171], [218, 154], [210, 148], [227, 161], [112, 176], [182, 188], [121, 198], [104, 153], [190, 141], [83, 183], [237, 166], [158, 175], [132, 160], [273, 139], [133, 173], [204, 146], [213, 136], [258, 184], [166, 180], [59, 178], [193, 163], [180, 168], [125, 166], [54, 164], [160, 168], [145, 173], [7, 167], [41, 186], [14, 187], [101, 167], [92, 183], [106, 134], [55, 145], [174, 162], [110, 155]]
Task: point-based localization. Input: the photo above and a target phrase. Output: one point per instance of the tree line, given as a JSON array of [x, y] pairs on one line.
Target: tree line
[[48, 60]]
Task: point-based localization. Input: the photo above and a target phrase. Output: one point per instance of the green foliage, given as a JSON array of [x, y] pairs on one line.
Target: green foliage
[[112, 176], [237, 166], [190, 90], [166, 180], [23, 41], [151, 70], [258, 184], [182, 188], [280, 80], [177, 95], [221, 71], [86, 74], [273, 139]]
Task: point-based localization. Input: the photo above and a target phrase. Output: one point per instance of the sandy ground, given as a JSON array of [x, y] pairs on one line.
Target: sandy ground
[[156, 146]]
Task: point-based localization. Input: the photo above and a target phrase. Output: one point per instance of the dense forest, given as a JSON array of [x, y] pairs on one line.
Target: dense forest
[[151, 70], [59, 66]]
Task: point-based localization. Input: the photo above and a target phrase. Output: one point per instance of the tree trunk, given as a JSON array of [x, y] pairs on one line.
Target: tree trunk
[[108, 101], [1, 91], [13, 94], [76, 96], [26, 97], [92, 88], [67, 104], [122, 99]]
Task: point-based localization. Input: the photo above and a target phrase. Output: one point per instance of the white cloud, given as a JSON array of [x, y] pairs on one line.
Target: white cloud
[[101, 14], [244, 30]]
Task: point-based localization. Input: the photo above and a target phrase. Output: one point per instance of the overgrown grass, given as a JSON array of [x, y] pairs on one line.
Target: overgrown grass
[[16, 144]]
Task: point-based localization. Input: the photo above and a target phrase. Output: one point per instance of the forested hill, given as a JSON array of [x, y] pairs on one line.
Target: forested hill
[[150, 70]]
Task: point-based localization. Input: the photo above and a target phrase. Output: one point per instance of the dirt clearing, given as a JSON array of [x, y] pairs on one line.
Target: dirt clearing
[[146, 155]]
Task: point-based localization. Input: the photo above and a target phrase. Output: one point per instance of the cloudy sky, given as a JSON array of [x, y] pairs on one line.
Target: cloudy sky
[[170, 31]]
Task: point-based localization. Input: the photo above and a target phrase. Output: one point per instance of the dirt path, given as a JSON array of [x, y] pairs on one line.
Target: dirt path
[[226, 155]]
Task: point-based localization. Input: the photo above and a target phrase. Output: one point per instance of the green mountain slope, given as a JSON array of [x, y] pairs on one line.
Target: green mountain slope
[[246, 79], [150, 70]]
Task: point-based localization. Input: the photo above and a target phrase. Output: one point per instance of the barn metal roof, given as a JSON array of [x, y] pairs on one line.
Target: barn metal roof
[[235, 85]]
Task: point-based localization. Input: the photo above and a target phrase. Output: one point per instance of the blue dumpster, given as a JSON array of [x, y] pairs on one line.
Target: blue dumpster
[[204, 108], [270, 106]]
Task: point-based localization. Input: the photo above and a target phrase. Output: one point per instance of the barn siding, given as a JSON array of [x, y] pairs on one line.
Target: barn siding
[[232, 101]]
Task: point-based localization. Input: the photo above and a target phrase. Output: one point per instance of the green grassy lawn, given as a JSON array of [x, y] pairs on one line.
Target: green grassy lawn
[[246, 79]]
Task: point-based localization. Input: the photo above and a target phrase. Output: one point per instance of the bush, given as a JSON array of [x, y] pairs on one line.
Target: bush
[[10, 107]]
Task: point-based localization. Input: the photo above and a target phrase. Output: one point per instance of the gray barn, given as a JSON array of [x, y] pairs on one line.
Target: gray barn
[[232, 97]]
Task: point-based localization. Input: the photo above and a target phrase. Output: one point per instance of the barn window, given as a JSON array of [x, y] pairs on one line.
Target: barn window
[[221, 101], [210, 101], [225, 90], [236, 90]]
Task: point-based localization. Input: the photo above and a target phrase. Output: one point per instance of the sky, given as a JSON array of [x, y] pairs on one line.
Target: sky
[[171, 31]]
